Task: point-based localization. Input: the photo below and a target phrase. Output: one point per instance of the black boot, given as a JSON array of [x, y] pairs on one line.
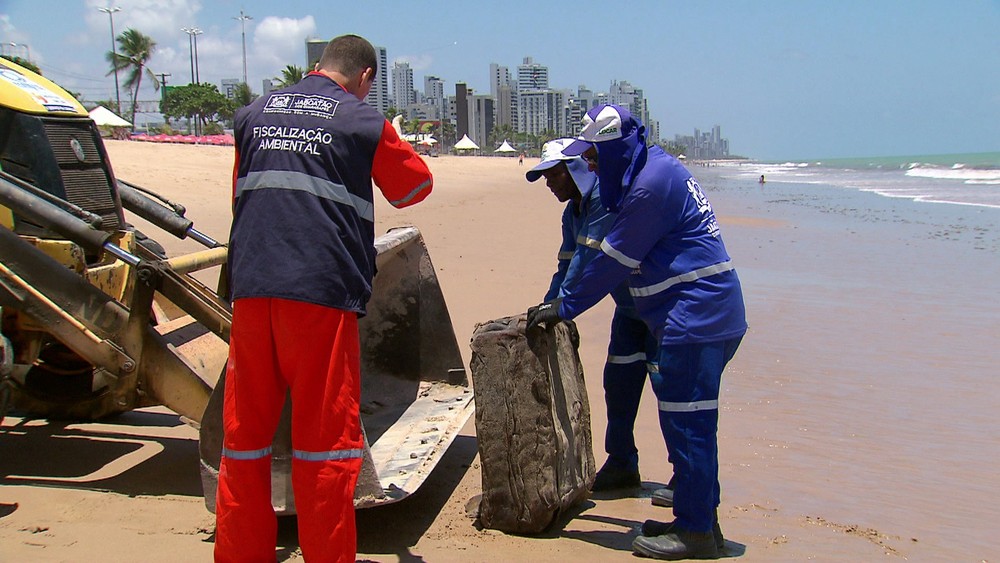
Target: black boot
[[678, 544], [652, 528], [613, 476]]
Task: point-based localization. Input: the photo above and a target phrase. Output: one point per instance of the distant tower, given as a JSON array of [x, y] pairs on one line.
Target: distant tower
[[402, 85], [314, 50], [532, 76], [378, 97]]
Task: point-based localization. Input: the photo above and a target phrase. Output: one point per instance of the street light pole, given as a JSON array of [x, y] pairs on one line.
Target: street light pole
[[114, 53], [193, 33], [243, 28]]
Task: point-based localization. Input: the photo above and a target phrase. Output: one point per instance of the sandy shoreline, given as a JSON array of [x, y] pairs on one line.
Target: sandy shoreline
[[816, 459]]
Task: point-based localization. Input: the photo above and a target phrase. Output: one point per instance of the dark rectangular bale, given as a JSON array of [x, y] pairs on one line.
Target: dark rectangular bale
[[532, 423]]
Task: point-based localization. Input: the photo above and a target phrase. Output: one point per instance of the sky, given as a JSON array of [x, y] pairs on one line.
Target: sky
[[784, 79]]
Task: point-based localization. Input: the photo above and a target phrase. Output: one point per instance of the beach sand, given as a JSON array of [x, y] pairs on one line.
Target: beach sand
[[857, 421]]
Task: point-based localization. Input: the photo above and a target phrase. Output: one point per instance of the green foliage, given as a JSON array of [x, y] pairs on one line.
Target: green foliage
[[673, 148], [134, 51], [202, 102], [290, 75], [165, 129], [214, 128], [243, 95], [23, 62]]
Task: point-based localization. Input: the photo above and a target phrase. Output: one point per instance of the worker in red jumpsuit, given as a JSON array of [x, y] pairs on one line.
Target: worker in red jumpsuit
[[301, 261]]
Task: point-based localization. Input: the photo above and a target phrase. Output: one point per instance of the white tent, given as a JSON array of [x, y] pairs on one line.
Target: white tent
[[466, 143], [103, 116], [428, 140], [505, 147]]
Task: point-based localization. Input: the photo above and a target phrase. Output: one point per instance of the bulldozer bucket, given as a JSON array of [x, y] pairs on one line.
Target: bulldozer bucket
[[415, 394]]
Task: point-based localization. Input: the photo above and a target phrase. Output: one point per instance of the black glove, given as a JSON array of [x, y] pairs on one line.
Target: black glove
[[546, 313]]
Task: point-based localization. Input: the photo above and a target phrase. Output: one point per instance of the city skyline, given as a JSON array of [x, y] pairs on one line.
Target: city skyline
[[787, 80]]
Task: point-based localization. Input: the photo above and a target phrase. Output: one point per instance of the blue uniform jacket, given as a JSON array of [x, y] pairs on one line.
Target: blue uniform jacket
[[583, 231], [666, 242]]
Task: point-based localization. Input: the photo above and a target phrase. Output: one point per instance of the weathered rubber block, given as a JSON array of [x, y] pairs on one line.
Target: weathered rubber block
[[532, 423]]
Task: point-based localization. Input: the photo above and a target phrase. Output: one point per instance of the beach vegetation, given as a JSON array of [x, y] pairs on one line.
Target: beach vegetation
[[23, 62], [673, 148], [134, 51], [243, 95], [290, 75], [201, 102]]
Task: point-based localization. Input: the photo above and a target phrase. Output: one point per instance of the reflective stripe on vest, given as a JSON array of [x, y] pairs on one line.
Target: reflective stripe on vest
[[288, 180], [652, 369], [246, 454], [696, 406], [327, 456], [686, 277], [630, 359], [621, 258]]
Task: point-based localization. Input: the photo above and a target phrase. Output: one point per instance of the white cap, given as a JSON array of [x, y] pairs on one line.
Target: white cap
[[552, 154]]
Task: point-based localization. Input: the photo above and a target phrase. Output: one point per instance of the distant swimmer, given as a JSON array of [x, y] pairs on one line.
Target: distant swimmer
[[761, 181]]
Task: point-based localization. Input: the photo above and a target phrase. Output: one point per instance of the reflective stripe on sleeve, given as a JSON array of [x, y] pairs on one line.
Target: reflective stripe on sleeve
[[327, 456], [288, 180], [652, 369], [589, 242], [630, 359], [411, 195], [685, 277], [696, 406], [566, 255], [246, 454], [621, 258]]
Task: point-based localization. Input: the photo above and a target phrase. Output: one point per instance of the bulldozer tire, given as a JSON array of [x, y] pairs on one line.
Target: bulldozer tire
[[61, 386]]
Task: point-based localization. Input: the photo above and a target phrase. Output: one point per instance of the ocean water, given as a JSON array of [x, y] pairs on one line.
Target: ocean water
[[864, 393], [961, 179]]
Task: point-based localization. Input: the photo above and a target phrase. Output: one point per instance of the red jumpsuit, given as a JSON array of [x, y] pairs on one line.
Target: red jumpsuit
[[301, 262]]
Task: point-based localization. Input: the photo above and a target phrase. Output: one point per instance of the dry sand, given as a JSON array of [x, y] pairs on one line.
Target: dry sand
[[493, 238]]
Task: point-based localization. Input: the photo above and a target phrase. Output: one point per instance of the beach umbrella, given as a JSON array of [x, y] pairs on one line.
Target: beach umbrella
[[466, 143], [103, 116], [505, 147]]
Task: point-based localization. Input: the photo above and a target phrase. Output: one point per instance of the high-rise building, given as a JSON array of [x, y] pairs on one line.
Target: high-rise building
[[402, 85], [229, 87], [481, 118], [543, 112], [314, 50], [532, 76], [378, 96], [462, 93], [503, 90]]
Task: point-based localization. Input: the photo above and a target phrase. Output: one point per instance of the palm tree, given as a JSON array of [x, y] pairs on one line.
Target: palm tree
[[290, 75], [134, 51]]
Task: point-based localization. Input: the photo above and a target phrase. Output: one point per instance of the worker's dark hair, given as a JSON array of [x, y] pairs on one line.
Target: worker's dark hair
[[349, 55]]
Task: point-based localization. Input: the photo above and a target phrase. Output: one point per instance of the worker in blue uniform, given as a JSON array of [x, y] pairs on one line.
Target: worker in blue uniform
[[667, 243], [632, 350]]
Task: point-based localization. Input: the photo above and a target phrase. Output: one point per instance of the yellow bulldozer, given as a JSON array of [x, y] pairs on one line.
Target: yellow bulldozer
[[96, 320]]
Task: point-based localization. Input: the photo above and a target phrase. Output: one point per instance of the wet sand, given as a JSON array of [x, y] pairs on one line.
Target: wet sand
[[856, 423]]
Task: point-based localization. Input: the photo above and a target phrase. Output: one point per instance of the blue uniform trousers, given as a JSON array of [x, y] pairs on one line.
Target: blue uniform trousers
[[632, 354], [688, 395]]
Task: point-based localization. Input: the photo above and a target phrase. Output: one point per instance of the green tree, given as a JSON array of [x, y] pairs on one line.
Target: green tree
[[23, 62], [134, 51], [243, 95], [290, 75], [202, 102], [673, 148]]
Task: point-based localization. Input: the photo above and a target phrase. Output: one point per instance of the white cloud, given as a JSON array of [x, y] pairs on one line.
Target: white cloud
[[417, 62], [278, 42], [159, 19]]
